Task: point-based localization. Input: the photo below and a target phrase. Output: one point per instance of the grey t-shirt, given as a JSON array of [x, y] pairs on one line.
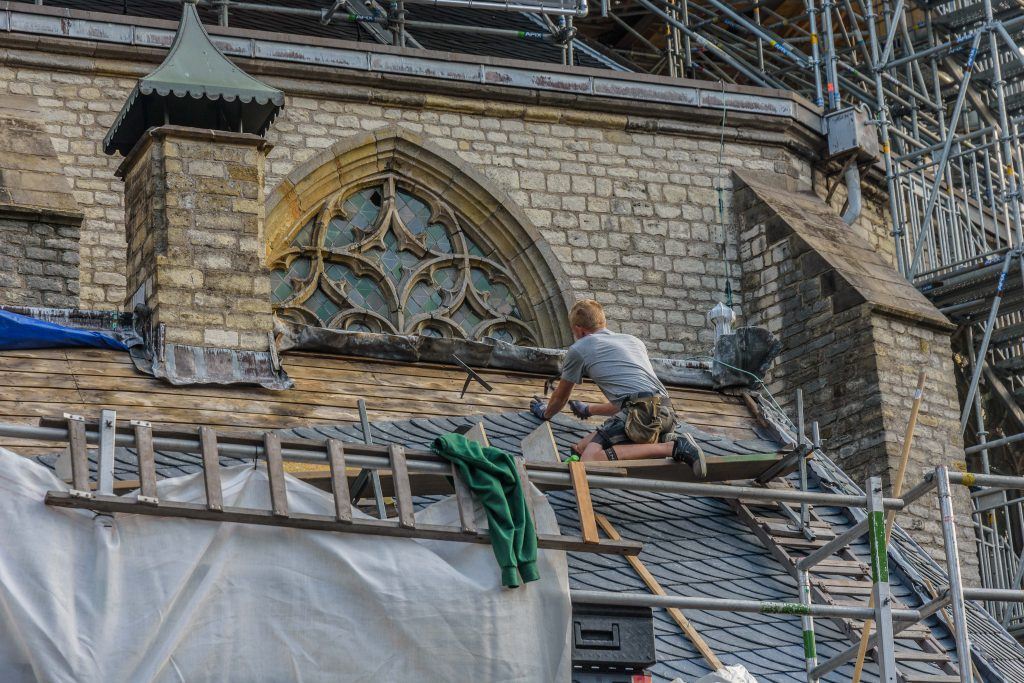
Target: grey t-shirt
[[617, 363]]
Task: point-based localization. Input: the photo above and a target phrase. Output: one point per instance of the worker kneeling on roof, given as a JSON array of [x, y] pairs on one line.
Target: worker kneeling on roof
[[641, 421]]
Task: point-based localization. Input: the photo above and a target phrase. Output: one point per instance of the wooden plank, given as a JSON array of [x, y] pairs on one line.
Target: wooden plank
[[376, 527], [479, 434], [720, 467], [79, 454], [524, 483], [677, 614], [403, 492], [275, 472], [339, 480], [539, 445], [584, 505], [465, 503], [211, 468], [147, 463]]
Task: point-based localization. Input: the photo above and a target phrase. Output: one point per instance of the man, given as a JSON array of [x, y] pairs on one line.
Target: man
[[641, 421]]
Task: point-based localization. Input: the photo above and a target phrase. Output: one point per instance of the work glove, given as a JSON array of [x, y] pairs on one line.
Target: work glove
[[538, 408], [579, 409]]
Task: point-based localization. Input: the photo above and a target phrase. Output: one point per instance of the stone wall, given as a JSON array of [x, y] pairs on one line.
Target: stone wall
[[631, 214], [855, 360], [38, 262], [195, 244]]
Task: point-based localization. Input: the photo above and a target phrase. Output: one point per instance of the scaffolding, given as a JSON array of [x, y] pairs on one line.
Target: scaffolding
[[943, 84], [891, 621]]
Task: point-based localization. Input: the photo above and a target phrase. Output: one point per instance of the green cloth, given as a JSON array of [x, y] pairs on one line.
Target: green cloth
[[490, 473]]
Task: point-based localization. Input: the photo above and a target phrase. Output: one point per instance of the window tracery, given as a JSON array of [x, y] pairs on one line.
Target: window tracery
[[387, 256]]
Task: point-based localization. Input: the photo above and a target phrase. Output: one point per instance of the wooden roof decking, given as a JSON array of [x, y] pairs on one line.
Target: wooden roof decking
[[49, 382]]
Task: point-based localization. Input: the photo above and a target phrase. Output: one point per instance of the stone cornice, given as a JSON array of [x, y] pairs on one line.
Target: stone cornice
[[209, 135], [39, 214], [92, 42]]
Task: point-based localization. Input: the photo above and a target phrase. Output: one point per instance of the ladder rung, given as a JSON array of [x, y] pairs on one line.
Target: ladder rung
[[814, 524], [849, 570], [782, 530], [801, 542], [930, 678], [919, 656], [846, 588]]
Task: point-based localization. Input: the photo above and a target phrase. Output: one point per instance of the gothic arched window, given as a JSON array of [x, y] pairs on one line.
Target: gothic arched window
[[388, 256]]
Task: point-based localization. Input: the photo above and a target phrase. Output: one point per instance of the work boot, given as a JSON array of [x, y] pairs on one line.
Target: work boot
[[687, 450]]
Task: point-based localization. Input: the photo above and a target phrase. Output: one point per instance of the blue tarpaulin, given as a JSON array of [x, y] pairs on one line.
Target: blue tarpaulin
[[23, 332]]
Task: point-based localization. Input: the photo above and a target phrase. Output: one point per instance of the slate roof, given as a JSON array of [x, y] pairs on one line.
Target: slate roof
[[693, 546]]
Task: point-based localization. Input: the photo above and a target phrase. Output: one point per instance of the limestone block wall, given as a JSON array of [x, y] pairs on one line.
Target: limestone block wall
[[857, 367], [194, 228], [38, 262], [631, 214]]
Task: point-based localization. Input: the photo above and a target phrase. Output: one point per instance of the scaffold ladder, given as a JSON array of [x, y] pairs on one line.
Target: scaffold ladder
[[843, 579]]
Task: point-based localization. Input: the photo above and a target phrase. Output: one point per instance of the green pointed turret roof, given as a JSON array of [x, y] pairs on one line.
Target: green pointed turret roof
[[195, 86]]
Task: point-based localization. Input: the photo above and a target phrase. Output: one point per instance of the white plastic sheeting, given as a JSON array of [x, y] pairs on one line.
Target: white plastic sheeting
[[87, 597], [736, 673]]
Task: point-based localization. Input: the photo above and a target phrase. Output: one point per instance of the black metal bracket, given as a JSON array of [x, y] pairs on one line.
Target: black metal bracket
[[471, 375]]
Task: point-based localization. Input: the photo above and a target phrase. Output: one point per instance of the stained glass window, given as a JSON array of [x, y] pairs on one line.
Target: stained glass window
[[283, 282], [388, 257]]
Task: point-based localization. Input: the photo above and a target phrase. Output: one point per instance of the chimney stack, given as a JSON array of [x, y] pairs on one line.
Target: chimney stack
[[192, 136]]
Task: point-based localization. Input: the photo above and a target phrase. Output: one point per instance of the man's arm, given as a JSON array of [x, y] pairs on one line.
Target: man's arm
[[602, 409], [559, 397]]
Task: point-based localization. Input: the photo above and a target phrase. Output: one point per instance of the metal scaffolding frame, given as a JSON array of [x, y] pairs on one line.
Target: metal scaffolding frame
[[943, 81], [889, 621]]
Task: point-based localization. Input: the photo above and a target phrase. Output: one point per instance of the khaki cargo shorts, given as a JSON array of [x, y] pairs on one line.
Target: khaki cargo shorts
[[645, 418]]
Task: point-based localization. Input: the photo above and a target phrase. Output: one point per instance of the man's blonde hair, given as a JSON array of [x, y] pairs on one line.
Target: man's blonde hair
[[587, 314]]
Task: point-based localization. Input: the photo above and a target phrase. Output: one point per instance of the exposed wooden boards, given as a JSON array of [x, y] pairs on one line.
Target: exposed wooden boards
[[320, 391], [652, 585], [211, 468], [326, 391], [326, 523], [584, 505], [53, 381], [339, 481]]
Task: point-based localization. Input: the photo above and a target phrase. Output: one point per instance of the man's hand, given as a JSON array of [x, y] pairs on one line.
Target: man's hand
[[539, 408], [579, 409]]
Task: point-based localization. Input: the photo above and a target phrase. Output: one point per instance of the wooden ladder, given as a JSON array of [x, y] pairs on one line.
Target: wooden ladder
[[840, 580], [270, 447]]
